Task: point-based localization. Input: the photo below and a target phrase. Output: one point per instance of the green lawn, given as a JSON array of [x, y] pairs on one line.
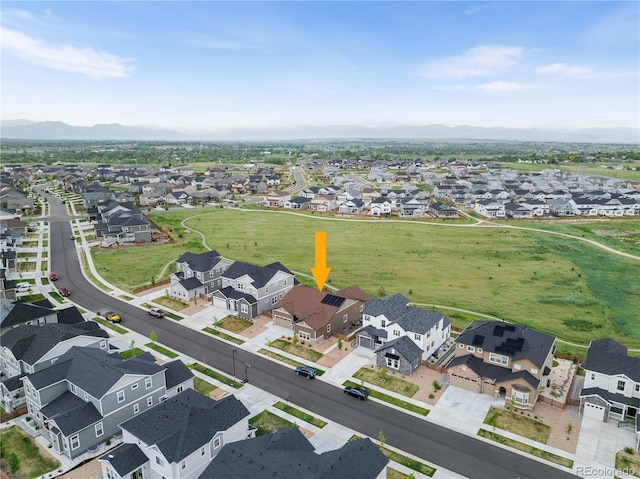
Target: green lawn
[[417, 466], [300, 414], [518, 424], [131, 353], [297, 349], [222, 335], [387, 381], [113, 327], [21, 450], [267, 422], [202, 386], [215, 375], [162, 350], [526, 448], [235, 324], [557, 285]]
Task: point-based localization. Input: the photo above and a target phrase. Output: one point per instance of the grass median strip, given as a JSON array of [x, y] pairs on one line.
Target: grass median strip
[[392, 400], [131, 353], [111, 326], [222, 335], [162, 350], [286, 360], [417, 466], [548, 456], [300, 414], [215, 375]]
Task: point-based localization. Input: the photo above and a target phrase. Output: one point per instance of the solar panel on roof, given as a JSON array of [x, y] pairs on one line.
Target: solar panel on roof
[[498, 331], [332, 300], [478, 339], [510, 327]]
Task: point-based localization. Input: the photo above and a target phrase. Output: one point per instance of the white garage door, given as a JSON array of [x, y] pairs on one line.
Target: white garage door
[[594, 411], [220, 302]]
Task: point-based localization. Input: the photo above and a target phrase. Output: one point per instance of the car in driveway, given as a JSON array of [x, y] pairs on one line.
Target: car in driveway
[[53, 276], [356, 392], [158, 313], [64, 291], [112, 317], [306, 371], [23, 287]]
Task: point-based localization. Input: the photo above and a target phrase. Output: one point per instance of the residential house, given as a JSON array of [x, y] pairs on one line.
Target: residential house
[[197, 274], [353, 206], [381, 206], [276, 199], [611, 384], [16, 313], [298, 203], [490, 208], [502, 359], [411, 208], [288, 453], [79, 401], [516, 211], [315, 315], [249, 290], [442, 210], [177, 438], [400, 354]]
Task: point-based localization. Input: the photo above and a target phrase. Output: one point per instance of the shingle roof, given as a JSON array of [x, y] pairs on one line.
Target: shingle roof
[[181, 424], [71, 413], [607, 356], [13, 313], [261, 275], [71, 315], [287, 453], [93, 370], [229, 292], [125, 458], [200, 262], [610, 397], [191, 283], [392, 306], [512, 340], [404, 347], [176, 373], [420, 320], [492, 371]]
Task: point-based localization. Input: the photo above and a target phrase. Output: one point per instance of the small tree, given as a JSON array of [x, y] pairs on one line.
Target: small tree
[[381, 291], [153, 337], [381, 439], [132, 345], [383, 374], [512, 405], [269, 343], [340, 344], [295, 339]]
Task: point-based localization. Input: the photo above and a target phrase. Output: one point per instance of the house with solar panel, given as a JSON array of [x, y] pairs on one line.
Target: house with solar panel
[[80, 400], [177, 438], [502, 359], [248, 289], [315, 315]]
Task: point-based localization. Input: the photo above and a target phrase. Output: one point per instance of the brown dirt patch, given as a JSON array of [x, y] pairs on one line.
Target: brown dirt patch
[[259, 326], [90, 469], [558, 420]]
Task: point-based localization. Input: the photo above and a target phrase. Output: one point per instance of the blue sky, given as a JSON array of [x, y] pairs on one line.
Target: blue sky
[[277, 64]]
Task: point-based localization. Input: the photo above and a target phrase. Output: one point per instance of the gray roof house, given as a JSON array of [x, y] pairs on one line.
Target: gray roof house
[[400, 354], [248, 289], [16, 313], [178, 437], [197, 274], [80, 400], [287, 453], [611, 384]]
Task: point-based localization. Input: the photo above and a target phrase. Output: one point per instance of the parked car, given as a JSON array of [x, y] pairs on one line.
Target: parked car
[[53, 276], [158, 313], [73, 238], [306, 371], [64, 291], [23, 287], [112, 317], [357, 392]]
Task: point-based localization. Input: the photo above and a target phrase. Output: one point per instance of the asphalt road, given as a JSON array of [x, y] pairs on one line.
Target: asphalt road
[[454, 451]]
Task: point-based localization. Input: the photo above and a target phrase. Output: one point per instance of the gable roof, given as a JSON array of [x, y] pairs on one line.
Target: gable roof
[[512, 340], [261, 275], [404, 347], [71, 413], [493, 371], [13, 313], [392, 307], [200, 262], [420, 320], [181, 424], [287, 453], [125, 458], [607, 356], [176, 373]]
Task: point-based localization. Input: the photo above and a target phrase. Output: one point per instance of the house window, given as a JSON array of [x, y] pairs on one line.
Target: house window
[[86, 396], [99, 429], [593, 377], [120, 396], [304, 335], [244, 308], [345, 318], [266, 289], [159, 461], [285, 282], [149, 401], [147, 383], [103, 344], [111, 474], [179, 389], [241, 286], [393, 363], [520, 397], [461, 346], [471, 349], [329, 328], [383, 323], [280, 296], [274, 300], [72, 388], [517, 366], [137, 474], [183, 465], [75, 442], [202, 451], [429, 334], [621, 385], [498, 359], [136, 408], [396, 332], [480, 350], [637, 387], [134, 386], [217, 442], [418, 337], [534, 371]]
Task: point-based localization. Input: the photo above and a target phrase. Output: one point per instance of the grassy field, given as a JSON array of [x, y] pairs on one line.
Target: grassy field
[[558, 285], [267, 422], [518, 424], [23, 454]]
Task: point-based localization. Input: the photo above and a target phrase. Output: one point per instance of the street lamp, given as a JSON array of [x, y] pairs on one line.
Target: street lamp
[[233, 354], [246, 367]]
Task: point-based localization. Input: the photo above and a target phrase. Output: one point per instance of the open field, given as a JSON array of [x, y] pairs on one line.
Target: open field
[[558, 285], [23, 454], [583, 168]]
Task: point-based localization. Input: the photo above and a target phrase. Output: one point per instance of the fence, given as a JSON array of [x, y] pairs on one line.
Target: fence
[[430, 365], [13, 414]]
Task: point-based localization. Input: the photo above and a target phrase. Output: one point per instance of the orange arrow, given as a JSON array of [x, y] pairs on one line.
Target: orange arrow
[[320, 271]]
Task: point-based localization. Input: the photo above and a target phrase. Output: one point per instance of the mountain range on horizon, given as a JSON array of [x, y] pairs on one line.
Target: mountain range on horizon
[[57, 130]]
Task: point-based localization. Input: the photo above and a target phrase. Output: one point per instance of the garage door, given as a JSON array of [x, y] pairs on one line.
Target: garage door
[[594, 411], [220, 302], [364, 342]]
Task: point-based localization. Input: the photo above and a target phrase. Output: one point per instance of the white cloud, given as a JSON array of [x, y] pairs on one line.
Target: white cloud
[[507, 86], [478, 61], [67, 58], [21, 14], [565, 70]]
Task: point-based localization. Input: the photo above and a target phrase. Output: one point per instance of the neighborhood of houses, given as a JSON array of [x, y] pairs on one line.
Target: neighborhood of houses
[[69, 378]]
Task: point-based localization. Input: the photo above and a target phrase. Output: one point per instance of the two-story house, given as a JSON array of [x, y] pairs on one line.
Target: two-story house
[[27, 349], [16, 313], [177, 438], [611, 383], [315, 315], [248, 289], [504, 360], [80, 400], [197, 274]]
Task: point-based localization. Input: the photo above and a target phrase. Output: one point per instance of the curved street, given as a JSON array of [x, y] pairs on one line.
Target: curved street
[[457, 452]]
